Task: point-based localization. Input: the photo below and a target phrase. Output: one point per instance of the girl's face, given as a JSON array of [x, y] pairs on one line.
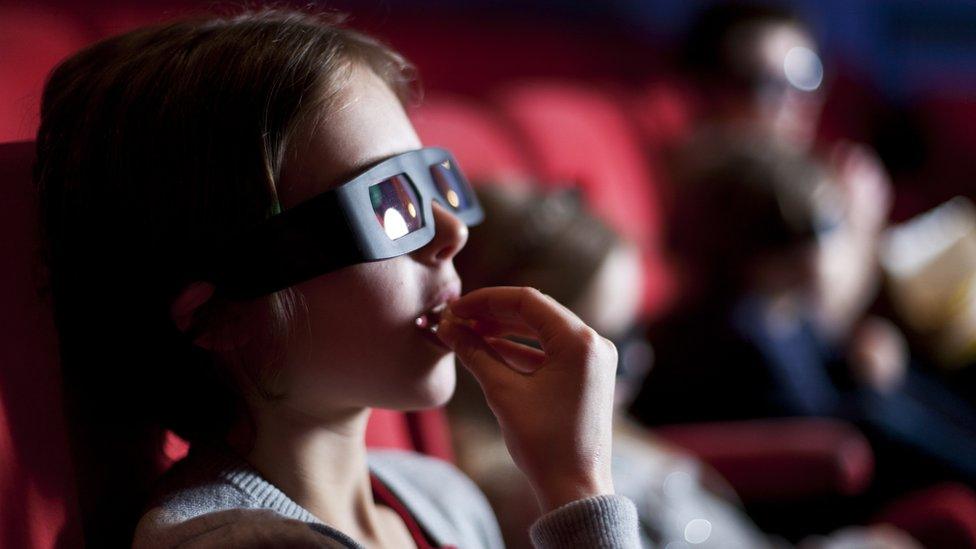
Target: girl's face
[[362, 346]]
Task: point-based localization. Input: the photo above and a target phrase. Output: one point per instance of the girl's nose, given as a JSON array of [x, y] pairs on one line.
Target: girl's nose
[[450, 236]]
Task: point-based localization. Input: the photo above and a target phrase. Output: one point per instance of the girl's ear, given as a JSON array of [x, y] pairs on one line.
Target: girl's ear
[[188, 302]]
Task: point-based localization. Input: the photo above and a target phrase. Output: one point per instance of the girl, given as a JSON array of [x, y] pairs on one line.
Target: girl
[[216, 270]]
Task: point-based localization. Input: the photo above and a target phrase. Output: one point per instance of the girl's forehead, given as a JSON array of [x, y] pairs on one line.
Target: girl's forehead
[[365, 122]]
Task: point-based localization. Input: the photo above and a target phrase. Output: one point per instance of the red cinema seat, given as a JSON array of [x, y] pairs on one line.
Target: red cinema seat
[[780, 459], [424, 431], [939, 516], [37, 503], [38, 498], [118, 17], [480, 140], [33, 39], [950, 123], [580, 136], [665, 113]]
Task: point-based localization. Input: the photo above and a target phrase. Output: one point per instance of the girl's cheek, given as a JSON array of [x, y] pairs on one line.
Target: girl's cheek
[[395, 288]]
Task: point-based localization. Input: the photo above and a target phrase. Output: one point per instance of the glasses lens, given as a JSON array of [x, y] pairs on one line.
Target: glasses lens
[[396, 206], [450, 184]]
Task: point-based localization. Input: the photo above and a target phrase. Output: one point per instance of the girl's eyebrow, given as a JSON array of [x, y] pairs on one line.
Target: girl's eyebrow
[[351, 172], [362, 167]]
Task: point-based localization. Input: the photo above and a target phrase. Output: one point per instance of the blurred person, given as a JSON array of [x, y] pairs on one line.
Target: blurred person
[[551, 242], [757, 67], [749, 228]]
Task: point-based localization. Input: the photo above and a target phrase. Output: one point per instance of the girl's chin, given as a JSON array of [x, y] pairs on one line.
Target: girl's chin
[[435, 388]]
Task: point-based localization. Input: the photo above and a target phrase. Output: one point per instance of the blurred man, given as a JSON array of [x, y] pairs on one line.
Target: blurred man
[[757, 69], [759, 66]]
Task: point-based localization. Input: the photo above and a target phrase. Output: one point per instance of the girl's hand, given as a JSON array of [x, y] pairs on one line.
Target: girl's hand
[[554, 405]]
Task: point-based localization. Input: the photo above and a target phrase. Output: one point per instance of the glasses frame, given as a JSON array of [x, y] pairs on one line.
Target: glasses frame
[[335, 229]]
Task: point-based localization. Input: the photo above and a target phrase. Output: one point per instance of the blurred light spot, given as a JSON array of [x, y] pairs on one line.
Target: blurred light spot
[[698, 531], [394, 224], [452, 197], [411, 210], [803, 68], [677, 484]]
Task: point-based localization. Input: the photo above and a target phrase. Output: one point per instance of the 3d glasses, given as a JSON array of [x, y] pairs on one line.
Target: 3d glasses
[[384, 212]]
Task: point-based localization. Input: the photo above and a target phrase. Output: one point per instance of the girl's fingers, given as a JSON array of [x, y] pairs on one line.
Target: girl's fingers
[[489, 327], [540, 313], [520, 357], [495, 327], [487, 365]]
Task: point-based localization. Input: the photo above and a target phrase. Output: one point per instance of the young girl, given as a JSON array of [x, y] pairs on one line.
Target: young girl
[[247, 247]]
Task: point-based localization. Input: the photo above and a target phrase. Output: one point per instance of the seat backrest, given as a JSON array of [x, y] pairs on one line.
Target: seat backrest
[[33, 40], [38, 498], [479, 138], [582, 136], [37, 503], [666, 114]]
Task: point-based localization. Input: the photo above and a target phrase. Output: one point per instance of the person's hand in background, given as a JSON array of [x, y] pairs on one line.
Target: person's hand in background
[[878, 354], [850, 276], [865, 184]]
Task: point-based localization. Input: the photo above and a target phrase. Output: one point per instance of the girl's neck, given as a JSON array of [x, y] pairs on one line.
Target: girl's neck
[[321, 465]]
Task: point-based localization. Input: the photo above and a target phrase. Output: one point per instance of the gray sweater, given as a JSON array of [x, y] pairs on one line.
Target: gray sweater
[[214, 498]]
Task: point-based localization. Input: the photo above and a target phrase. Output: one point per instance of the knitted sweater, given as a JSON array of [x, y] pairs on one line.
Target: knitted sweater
[[214, 498]]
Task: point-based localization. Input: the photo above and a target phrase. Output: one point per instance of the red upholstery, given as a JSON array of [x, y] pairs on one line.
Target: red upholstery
[[775, 460], [36, 481], [941, 516], [469, 51], [479, 139], [424, 431], [582, 137], [121, 17], [33, 39], [388, 429], [951, 117], [665, 114], [950, 123], [38, 504]]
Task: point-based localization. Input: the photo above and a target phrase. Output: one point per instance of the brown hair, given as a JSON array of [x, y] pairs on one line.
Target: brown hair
[[154, 147]]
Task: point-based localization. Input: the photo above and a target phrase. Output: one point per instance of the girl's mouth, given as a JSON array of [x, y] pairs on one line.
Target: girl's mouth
[[428, 321]]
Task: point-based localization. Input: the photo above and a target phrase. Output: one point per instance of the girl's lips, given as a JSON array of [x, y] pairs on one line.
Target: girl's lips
[[427, 323], [439, 299], [429, 319]]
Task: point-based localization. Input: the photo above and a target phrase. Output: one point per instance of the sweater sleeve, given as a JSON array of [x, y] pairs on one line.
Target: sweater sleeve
[[608, 522]]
